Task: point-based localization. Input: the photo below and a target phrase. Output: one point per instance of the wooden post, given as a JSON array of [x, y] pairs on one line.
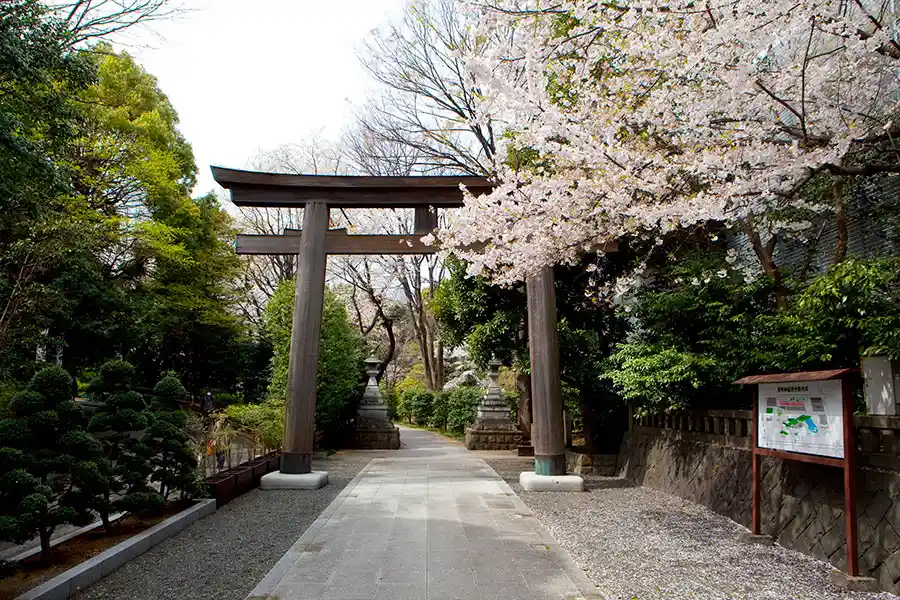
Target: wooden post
[[850, 478], [546, 393], [300, 410], [754, 433], [425, 220]]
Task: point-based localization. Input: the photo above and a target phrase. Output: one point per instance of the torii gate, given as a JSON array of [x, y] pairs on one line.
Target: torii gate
[[317, 195]]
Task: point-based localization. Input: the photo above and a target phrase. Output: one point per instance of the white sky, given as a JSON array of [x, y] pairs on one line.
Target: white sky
[[246, 75]]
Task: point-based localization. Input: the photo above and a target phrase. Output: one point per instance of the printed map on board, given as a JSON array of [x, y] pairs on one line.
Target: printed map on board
[[802, 417]]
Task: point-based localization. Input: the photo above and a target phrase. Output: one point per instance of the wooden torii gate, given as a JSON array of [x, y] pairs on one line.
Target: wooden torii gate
[[424, 194]]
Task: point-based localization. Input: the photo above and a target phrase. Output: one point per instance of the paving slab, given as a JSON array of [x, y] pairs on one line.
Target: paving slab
[[429, 522]]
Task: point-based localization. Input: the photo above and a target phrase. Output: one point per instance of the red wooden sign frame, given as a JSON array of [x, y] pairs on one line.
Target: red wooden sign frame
[[848, 463]]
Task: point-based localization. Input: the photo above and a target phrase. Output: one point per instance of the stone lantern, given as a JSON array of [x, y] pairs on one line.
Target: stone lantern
[[493, 429], [374, 429]]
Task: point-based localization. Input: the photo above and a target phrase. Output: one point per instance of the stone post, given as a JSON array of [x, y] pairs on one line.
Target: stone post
[[493, 429], [374, 429]]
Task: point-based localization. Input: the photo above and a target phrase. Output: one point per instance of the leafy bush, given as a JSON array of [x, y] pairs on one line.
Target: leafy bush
[[224, 399], [262, 423], [699, 327], [463, 406], [856, 306], [341, 354], [440, 410], [404, 406], [421, 404], [413, 380]]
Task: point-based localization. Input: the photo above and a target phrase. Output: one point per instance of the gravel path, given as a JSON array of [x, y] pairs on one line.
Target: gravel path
[[223, 556], [640, 544]]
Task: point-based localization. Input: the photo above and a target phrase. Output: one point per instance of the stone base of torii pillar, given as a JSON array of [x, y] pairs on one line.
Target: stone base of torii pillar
[[374, 430]]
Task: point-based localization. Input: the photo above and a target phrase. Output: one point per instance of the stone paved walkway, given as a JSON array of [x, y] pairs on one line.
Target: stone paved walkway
[[428, 523]]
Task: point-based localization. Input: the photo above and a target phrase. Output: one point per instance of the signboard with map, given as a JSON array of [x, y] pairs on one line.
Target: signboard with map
[[802, 416]]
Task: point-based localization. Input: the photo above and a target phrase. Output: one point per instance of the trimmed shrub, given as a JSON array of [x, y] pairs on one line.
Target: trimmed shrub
[[47, 460], [421, 405], [440, 410], [463, 407]]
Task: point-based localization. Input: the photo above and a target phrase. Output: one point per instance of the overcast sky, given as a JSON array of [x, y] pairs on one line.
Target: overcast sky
[[246, 75]]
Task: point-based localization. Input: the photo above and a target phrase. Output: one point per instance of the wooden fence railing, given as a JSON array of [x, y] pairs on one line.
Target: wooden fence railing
[[877, 438]]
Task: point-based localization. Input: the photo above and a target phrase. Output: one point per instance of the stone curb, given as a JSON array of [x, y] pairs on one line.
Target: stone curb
[[588, 590], [68, 583], [54, 542], [268, 584]]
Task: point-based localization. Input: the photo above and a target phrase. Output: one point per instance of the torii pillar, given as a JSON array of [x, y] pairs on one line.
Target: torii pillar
[[547, 432], [306, 327]]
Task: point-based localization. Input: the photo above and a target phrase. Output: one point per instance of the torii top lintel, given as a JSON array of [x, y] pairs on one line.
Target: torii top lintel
[[254, 188]]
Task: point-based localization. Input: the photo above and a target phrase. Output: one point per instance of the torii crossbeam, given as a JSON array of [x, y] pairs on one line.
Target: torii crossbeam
[[317, 195]]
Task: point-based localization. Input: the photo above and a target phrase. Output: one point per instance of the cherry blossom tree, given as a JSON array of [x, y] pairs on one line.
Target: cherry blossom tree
[[645, 117]]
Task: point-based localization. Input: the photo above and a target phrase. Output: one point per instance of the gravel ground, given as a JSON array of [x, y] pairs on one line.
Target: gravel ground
[[223, 556], [640, 544]]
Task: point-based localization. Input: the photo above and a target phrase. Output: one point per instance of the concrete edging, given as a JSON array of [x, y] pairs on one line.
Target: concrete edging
[[68, 583]]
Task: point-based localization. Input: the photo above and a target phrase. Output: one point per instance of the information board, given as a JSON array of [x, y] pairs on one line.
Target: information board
[[802, 416]]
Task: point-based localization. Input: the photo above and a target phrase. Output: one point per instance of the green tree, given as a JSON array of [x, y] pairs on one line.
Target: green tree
[[123, 482], [492, 321], [38, 122], [45, 458], [172, 457], [341, 352]]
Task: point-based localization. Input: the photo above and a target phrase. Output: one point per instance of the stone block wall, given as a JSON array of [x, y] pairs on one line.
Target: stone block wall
[[488, 439], [376, 439], [707, 459], [579, 463]]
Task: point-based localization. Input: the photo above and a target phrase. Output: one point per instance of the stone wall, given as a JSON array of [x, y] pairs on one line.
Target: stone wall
[[492, 439], [706, 458]]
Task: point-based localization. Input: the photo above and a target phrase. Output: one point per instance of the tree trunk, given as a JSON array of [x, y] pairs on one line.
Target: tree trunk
[[46, 549], [388, 325], [439, 365], [104, 512], [524, 418], [765, 254], [840, 221]]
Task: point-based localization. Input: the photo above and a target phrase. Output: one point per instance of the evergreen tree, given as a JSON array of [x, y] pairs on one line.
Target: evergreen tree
[[118, 424], [46, 458], [172, 457]]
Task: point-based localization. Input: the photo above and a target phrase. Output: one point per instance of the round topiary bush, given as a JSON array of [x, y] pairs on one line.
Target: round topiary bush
[[53, 383], [117, 374]]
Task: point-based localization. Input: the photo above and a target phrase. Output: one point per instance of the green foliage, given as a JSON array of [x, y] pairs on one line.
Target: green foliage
[[413, 380], [102, 250], [262, 423], [169, 390], [856, 306], [341, 354], [699, 327], [463, 406], [121, 478], [168, 444], [46, 461], [404, 405], [440, 410], [415, 406], [486, 319]]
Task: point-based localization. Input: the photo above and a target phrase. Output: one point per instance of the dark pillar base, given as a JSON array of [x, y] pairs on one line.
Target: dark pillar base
[[550, 464], [296, 463]]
